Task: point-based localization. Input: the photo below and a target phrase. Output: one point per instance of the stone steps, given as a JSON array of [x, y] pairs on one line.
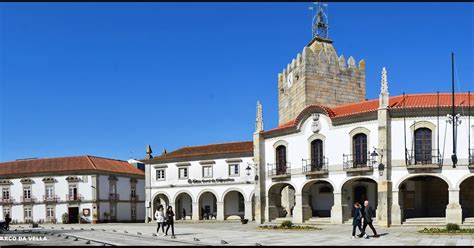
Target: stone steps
[[318, 221], [431, 221], [468, 222]]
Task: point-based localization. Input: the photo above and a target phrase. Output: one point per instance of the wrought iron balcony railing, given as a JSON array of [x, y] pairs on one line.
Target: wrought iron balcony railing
[[351, 162], [27, 200], [315, 165], [133, 198], [50, 198], [279, 169], [113, 196], [8, 200], [424, 157], [76, 197]]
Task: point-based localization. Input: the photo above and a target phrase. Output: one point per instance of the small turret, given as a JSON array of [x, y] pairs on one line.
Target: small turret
[[383, 97], [259, 119], [148, 152]]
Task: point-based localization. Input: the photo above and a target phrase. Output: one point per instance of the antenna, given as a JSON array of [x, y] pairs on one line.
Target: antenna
[[320, 24]]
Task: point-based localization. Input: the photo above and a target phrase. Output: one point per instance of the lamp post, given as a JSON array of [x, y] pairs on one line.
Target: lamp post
[[248, 170], [374, 156]]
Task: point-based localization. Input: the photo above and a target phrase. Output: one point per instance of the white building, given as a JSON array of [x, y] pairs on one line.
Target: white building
[[332, 148], [202, 182], [96, 189]]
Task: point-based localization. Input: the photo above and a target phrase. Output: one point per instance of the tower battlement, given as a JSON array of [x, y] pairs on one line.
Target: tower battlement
[[319, 76]]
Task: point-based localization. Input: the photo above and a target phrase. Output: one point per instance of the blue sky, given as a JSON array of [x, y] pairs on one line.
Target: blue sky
[[107, 79]]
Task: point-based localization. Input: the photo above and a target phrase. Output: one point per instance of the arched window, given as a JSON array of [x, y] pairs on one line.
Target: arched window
[[317, 158], [281, 159], [359, 143], [423, 146]]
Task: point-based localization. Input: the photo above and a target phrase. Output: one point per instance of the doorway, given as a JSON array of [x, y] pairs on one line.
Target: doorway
[[73, 215]]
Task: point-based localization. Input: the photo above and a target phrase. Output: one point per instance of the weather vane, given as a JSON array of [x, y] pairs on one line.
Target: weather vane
[[320, 26]]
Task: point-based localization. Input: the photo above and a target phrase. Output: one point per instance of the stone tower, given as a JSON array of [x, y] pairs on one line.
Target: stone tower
[[319, 76]]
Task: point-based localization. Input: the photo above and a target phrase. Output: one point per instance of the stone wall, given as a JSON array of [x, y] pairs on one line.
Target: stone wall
[[319, 77]]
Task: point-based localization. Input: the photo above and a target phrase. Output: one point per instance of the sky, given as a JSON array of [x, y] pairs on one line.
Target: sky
[[107, 79]]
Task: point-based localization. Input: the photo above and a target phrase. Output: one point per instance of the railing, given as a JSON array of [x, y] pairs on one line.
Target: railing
[[277, 169], [134, 198], [351, 162], [113, 196], [28, 199], [76, 197], [50, 198], [315, 165], [7, 200], [424, 157], [471, 157]]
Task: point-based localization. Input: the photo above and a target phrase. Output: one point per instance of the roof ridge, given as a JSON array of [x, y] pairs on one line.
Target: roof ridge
[[106, 158], [36, 159], [225, 143], [91, 162]]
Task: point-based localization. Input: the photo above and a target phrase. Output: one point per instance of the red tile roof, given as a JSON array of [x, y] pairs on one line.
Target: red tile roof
[[213, 149], [412, 101], [67, 165]]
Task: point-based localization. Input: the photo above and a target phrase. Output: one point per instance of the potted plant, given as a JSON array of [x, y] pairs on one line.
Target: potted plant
[[65, 218]]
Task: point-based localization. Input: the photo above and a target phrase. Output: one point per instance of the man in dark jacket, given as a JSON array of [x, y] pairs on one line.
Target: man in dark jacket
[[368, 215]]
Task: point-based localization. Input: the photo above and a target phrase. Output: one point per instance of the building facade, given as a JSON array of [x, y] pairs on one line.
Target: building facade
[[333, 147], [71, 189], [202, 182]]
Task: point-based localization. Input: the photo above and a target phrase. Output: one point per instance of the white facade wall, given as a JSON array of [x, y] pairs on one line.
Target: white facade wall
[[61, 189]]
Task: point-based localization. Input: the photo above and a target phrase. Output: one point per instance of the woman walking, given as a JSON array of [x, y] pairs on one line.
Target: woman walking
[[357, 220], [170, 218], [160, 219]]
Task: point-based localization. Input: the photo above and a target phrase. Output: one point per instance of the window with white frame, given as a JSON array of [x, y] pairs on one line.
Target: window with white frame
[[233, 169], [207, 171], [183, 173], [6, 193], [134, 212], [27, 211], [27, 192], [160, 174], [133, 191], [49, 191], [6, 210], [112, 210], [50, 212]]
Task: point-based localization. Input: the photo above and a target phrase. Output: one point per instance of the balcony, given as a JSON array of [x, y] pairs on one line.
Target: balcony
[[113, 197], [278, 170], [315, 166], [351, 163], [27, 200], [74, 198], [5, 201], [50, 198], [424, 159], [134, 198], [471, 159]]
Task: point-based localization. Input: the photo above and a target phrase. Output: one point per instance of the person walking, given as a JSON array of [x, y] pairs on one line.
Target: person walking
[[368, 215], [160, 219], [170, 219], [184, 214], [356, 220]]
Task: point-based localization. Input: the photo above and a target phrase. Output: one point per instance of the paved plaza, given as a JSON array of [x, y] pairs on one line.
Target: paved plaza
[[213, 234]]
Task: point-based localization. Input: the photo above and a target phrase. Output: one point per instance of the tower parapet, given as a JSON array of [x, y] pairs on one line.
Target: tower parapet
[[319, 76]]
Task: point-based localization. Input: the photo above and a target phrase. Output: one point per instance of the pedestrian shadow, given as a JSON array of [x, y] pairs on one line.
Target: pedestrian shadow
[[381, 234], [184, 234]]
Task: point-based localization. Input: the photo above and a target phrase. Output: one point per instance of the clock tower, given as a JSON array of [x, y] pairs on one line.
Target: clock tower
[[319, 76]]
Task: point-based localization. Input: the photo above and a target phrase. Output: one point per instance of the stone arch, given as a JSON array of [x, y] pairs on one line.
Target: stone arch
[[460, 181], [466, 196], [423, 195], [358, 189], [205, 191], [400, 181], [156, 198], [235, 189], [183, 192], [347, 179], [280, 204], [237, 206], [316, 200], [280, 143], [183, 209]]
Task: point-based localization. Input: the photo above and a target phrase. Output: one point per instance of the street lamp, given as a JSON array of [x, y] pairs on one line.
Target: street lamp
[[248, 171], [374, 156]]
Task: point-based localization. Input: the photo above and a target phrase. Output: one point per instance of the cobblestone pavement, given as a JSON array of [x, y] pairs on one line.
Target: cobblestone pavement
[[212, 233]]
